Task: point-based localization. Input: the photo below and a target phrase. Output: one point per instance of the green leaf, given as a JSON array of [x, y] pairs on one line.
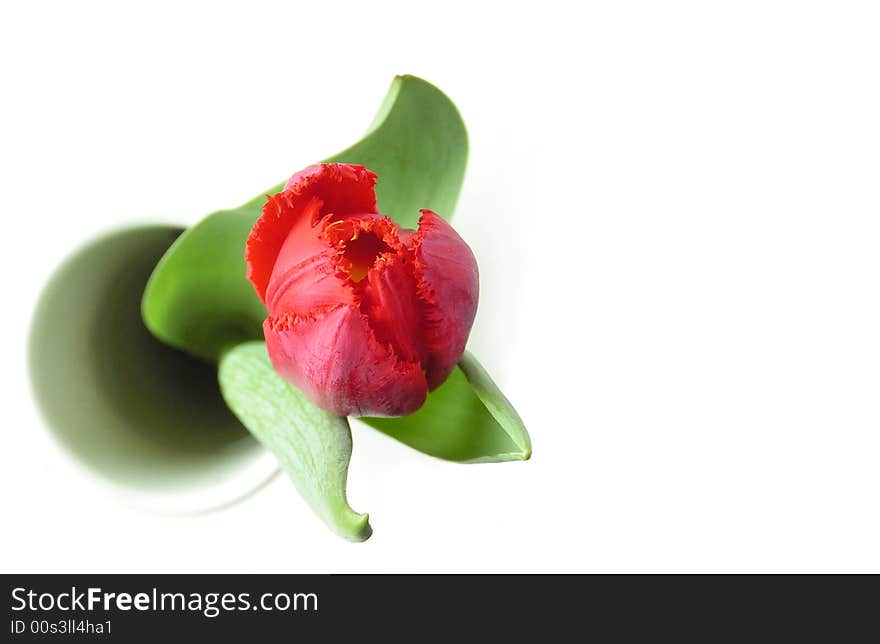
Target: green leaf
[[198, 298], [312, 445], [467, 419], [130, 408]]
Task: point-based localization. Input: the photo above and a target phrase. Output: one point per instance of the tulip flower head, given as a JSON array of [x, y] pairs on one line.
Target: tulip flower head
[[364, 317]]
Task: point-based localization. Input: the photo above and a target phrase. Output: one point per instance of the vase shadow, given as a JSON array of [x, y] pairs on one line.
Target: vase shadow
[[142, 415]]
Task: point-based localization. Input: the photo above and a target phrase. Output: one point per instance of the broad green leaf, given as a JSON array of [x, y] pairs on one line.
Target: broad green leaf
[[198, 298], [467, 419], [311, 445], [127, 406]]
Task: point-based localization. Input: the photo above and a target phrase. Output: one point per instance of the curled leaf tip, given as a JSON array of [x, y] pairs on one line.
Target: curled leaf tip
[[311, 445], [496, 403], [359, 529]]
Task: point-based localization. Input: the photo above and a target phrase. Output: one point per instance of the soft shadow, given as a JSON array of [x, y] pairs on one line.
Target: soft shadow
[[127, 406]]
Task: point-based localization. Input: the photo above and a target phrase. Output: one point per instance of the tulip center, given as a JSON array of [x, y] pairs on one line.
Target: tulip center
[[360, 254]]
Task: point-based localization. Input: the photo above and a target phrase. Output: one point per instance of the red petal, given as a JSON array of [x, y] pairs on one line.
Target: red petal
[[389, 302], [335, 359], [312, 284], [309, 195], [448, 284]]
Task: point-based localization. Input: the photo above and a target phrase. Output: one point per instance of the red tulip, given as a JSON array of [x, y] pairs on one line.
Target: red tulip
[[364, 317]]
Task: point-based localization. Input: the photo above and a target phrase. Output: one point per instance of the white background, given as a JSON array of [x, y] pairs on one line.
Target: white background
[[676, 210]]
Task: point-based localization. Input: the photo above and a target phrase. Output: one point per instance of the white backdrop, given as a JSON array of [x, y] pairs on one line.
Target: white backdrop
[[676, 212]]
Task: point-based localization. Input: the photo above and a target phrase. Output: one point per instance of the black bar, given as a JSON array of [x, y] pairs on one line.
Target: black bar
[[331, 607]]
